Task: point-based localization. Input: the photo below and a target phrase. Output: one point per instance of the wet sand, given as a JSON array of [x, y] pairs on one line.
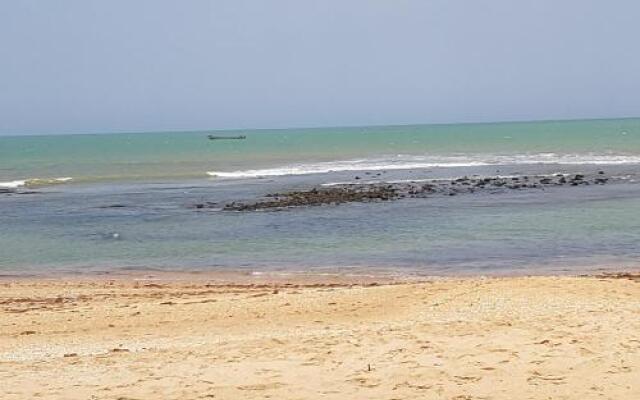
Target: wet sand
[[230, 337]]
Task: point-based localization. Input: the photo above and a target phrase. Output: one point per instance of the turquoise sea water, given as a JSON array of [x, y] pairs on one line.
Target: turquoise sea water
[[124, 201], [116, 157]]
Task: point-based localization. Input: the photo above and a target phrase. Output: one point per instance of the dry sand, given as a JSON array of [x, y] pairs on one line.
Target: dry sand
[[472, 338]]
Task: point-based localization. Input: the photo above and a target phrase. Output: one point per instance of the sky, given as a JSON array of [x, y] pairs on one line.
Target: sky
[[81, 66]]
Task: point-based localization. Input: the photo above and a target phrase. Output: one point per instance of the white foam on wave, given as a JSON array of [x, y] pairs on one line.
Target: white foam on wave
[[12, 184], [338, 166], [34, 182], [406, 162]]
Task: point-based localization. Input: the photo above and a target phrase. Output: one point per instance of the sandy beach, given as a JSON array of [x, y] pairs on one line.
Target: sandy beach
[[254, 338]]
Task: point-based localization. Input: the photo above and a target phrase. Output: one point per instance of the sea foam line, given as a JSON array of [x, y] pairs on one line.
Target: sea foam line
[[34, 182], [323, 168], [401, 162]]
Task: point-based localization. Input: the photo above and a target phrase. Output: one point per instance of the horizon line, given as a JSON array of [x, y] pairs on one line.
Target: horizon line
[[318, 127]]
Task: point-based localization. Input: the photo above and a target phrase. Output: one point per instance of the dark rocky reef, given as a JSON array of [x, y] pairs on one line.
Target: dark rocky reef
[[367, 192], [316, 197]]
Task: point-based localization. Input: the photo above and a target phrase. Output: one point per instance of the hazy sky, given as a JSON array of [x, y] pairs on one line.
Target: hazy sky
[[125, 65]]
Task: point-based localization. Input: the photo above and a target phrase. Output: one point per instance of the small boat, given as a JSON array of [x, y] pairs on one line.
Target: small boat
[[213, 137]]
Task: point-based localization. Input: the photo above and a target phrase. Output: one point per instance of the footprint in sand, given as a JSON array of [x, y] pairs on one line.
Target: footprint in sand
[[461, 380], [412, 386], [537, 378], [364, 381], [261, 386]]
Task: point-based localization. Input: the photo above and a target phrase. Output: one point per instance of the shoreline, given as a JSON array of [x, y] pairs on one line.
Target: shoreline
[[312, 275]]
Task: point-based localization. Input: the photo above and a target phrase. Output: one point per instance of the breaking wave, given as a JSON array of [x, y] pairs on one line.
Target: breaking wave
[[405, 162], [33, 182]]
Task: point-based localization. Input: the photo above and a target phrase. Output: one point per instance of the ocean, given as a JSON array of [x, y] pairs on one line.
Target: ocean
[[105, 203]]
